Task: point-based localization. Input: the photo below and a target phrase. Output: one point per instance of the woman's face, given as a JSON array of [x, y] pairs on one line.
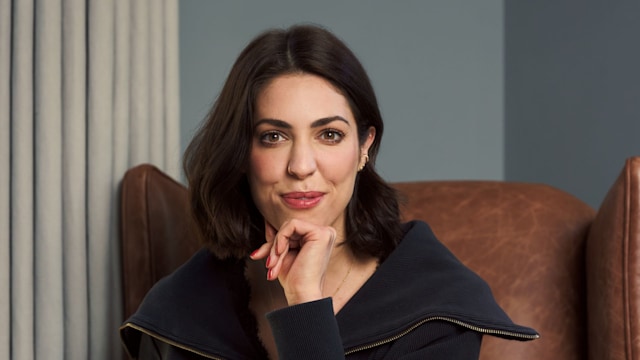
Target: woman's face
[[305, 152]]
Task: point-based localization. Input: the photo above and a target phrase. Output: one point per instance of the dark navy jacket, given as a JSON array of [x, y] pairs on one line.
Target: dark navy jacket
[[420, 303]]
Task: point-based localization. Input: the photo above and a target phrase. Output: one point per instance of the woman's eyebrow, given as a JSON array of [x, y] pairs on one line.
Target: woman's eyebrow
[[327, 120], [285, 125], [273, 122]]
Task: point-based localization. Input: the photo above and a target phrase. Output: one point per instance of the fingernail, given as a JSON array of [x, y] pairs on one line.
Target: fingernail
[[270, 274], [268, 260], [253, 254]]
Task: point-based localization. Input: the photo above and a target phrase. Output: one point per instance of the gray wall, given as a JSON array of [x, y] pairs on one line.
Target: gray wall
[[572, 86], [437, 67]]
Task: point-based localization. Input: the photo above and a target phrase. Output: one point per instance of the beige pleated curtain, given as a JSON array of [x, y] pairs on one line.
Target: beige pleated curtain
[[87, 90]]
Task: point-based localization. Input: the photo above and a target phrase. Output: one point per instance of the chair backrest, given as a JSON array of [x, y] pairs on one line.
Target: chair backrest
[[528, 242], [157, 232]]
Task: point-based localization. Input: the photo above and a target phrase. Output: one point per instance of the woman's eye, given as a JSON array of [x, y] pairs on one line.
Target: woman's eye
[[333, 136], [272, 138]]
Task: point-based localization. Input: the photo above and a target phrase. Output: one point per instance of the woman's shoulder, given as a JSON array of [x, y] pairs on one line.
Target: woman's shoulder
[[180, 307], [419, 281], [202, 276]]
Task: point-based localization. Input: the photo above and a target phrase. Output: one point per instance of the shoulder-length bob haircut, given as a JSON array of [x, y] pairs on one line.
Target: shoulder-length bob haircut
[[216, 160]]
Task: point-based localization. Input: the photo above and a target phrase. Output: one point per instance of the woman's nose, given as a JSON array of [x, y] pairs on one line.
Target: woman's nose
[[302, 161]]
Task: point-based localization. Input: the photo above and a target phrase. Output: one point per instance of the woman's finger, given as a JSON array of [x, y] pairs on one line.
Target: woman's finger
[[277, 258], [269, 232], [295, 233], [261, 252], [264, 249], [275, 264]]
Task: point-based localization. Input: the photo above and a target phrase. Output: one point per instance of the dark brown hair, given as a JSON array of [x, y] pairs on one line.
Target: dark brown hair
[[216, 160]]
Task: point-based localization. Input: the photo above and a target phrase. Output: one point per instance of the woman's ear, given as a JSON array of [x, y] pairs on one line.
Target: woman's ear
[[364, 148], [371, 135]]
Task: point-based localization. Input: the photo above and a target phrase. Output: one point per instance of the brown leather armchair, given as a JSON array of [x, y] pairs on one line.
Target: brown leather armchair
[[553, 262]]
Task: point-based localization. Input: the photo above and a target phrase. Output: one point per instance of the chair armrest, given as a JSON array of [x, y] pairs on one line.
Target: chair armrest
[[613, 270]]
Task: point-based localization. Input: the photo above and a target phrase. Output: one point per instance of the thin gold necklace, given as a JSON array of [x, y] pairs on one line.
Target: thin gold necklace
[[343, 280]]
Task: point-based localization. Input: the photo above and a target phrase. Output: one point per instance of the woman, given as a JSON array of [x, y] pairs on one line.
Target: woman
[[307, 257]]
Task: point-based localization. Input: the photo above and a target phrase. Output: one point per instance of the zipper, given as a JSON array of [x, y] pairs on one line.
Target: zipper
[[359, 348], [442, 318], [168, 341]]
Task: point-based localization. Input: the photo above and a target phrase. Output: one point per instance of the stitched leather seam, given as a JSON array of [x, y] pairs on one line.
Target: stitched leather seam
[[626, 224], [630, 232]]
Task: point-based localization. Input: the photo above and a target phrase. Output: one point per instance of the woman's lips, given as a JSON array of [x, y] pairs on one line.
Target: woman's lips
[[302, 200]]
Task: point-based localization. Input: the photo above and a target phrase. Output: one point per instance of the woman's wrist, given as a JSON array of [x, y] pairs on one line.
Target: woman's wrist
[[300, 297]]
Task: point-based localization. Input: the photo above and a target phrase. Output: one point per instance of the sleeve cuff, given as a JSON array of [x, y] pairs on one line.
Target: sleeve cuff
[[307, 331]]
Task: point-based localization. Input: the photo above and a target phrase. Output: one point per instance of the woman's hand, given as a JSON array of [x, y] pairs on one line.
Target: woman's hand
[[298, 255]]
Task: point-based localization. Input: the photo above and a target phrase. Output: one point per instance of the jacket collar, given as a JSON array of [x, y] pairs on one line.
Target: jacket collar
[[422, 279], [194, 308]]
